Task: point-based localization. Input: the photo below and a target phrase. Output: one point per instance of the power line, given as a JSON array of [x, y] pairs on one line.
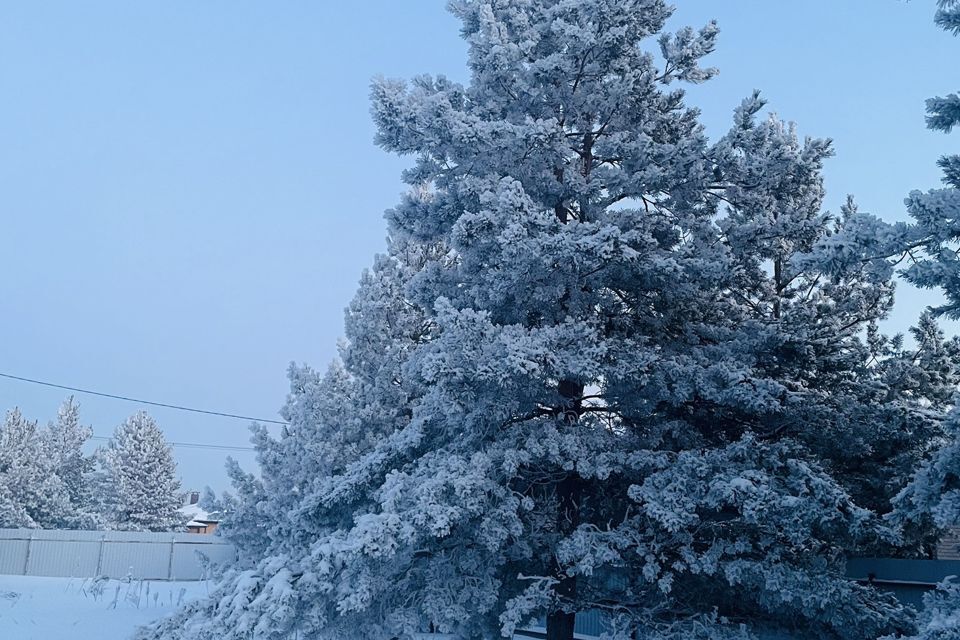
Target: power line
[[194, 445], [155, 404]]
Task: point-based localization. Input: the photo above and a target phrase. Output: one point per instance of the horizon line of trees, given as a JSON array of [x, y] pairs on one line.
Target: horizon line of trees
[[48, 480]]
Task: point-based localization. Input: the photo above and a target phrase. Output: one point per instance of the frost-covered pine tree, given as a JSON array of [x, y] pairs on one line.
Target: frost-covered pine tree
[[940, 617], [63, 442], [948, 17], [605, 365], [141, 475], [932, 498], [335, 419], [937, 212], [934, 494], [31, 493]]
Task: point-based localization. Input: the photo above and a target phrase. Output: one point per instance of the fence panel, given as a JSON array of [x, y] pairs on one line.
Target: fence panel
[[143, 561], [115, 554], [186, 563], [13, 554], [58, 558]]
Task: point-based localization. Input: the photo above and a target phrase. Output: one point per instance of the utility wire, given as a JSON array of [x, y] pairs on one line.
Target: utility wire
[[193, 445], [155, 404]]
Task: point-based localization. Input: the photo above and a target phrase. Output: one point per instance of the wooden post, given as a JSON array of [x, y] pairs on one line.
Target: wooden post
[[173, 541], [103, 539], [26, 557]]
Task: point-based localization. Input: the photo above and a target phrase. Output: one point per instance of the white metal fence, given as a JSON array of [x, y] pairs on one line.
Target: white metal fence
[[115, 554]]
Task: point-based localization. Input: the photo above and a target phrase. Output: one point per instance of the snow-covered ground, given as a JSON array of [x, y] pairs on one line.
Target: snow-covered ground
[[75, 609]]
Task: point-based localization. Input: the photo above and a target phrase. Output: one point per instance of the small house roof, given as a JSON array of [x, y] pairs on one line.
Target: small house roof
[[198, 516]]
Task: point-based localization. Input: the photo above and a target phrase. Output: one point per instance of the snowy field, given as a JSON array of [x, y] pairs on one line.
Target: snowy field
[[34, 608]]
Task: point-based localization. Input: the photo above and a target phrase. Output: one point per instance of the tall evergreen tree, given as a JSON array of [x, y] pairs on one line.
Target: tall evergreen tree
[[63, 441], [31, 492], [605, 365], [933, 496], [141, 473], [936, 234]]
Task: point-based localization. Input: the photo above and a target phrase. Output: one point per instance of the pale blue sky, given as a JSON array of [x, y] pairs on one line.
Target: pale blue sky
[[189, 190]]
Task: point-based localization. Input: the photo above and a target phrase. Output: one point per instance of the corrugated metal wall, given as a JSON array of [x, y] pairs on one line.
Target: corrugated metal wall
[[588, 624], [115, 554], [949, 546]]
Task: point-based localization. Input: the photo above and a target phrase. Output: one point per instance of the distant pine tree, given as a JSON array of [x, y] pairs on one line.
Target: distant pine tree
[[31, 492], [141, 474], [63, 441]]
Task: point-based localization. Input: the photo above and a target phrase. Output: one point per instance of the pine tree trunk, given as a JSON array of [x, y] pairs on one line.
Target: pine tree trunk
[[560, 625], [778, 285], [569, 493]]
